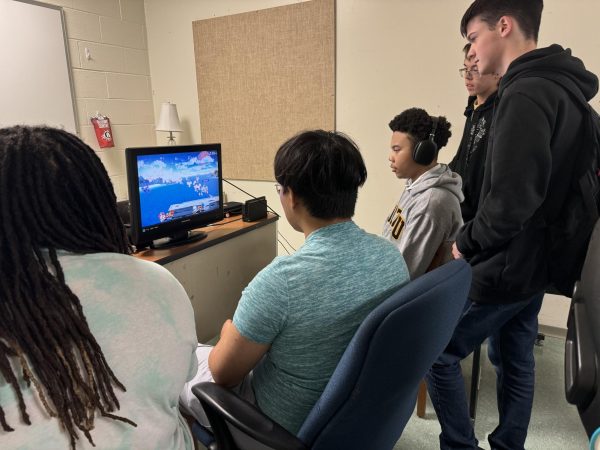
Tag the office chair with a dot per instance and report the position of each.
(582, 346)
(372, 392)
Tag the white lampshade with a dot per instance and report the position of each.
(168, 119)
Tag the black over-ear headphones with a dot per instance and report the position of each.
(425, 151)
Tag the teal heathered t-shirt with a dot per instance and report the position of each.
(308, 306)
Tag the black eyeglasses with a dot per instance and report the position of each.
(468, 73)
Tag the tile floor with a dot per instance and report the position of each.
(554, 424)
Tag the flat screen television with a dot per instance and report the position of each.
(172, 191)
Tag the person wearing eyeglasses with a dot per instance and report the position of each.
(469, 160)
(297, 316)
(538, 127)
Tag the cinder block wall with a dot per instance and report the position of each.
(109, 63)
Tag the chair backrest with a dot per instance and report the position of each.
(589, 286)
(582, 346)
(372, 393)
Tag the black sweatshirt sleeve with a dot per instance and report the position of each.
(517, 175)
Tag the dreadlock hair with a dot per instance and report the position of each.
(54, 195)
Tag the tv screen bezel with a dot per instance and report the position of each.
(166, 229)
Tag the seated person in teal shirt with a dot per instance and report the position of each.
(297, 316)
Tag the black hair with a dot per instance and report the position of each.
(54, 195)
(528, 14)
(417, 124)
(325, 169)
(466, 49)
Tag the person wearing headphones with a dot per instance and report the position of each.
(425, 221)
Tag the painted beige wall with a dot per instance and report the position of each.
(115, 80)
(173, 72)
(391, 55)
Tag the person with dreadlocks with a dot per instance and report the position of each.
(95, 345)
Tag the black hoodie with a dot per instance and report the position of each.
(470, 159)
(536, 128)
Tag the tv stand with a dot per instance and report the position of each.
(215, 270)
(181, 238)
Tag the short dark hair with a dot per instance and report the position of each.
(466, 49)
(325, 169)
(528, 13)
(417, 123)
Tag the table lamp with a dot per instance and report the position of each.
(169, 120)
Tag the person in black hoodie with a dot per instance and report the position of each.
(536, 127)
(469, 160)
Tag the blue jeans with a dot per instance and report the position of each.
(512, 329)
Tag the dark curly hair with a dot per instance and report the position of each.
(325, 169)
(54, 195)
(418, 125)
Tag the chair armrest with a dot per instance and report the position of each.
(222, 406)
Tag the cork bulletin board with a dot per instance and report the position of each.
(262, 77)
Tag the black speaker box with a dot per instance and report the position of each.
(254, 209)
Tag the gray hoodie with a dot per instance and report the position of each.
(427, 216)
